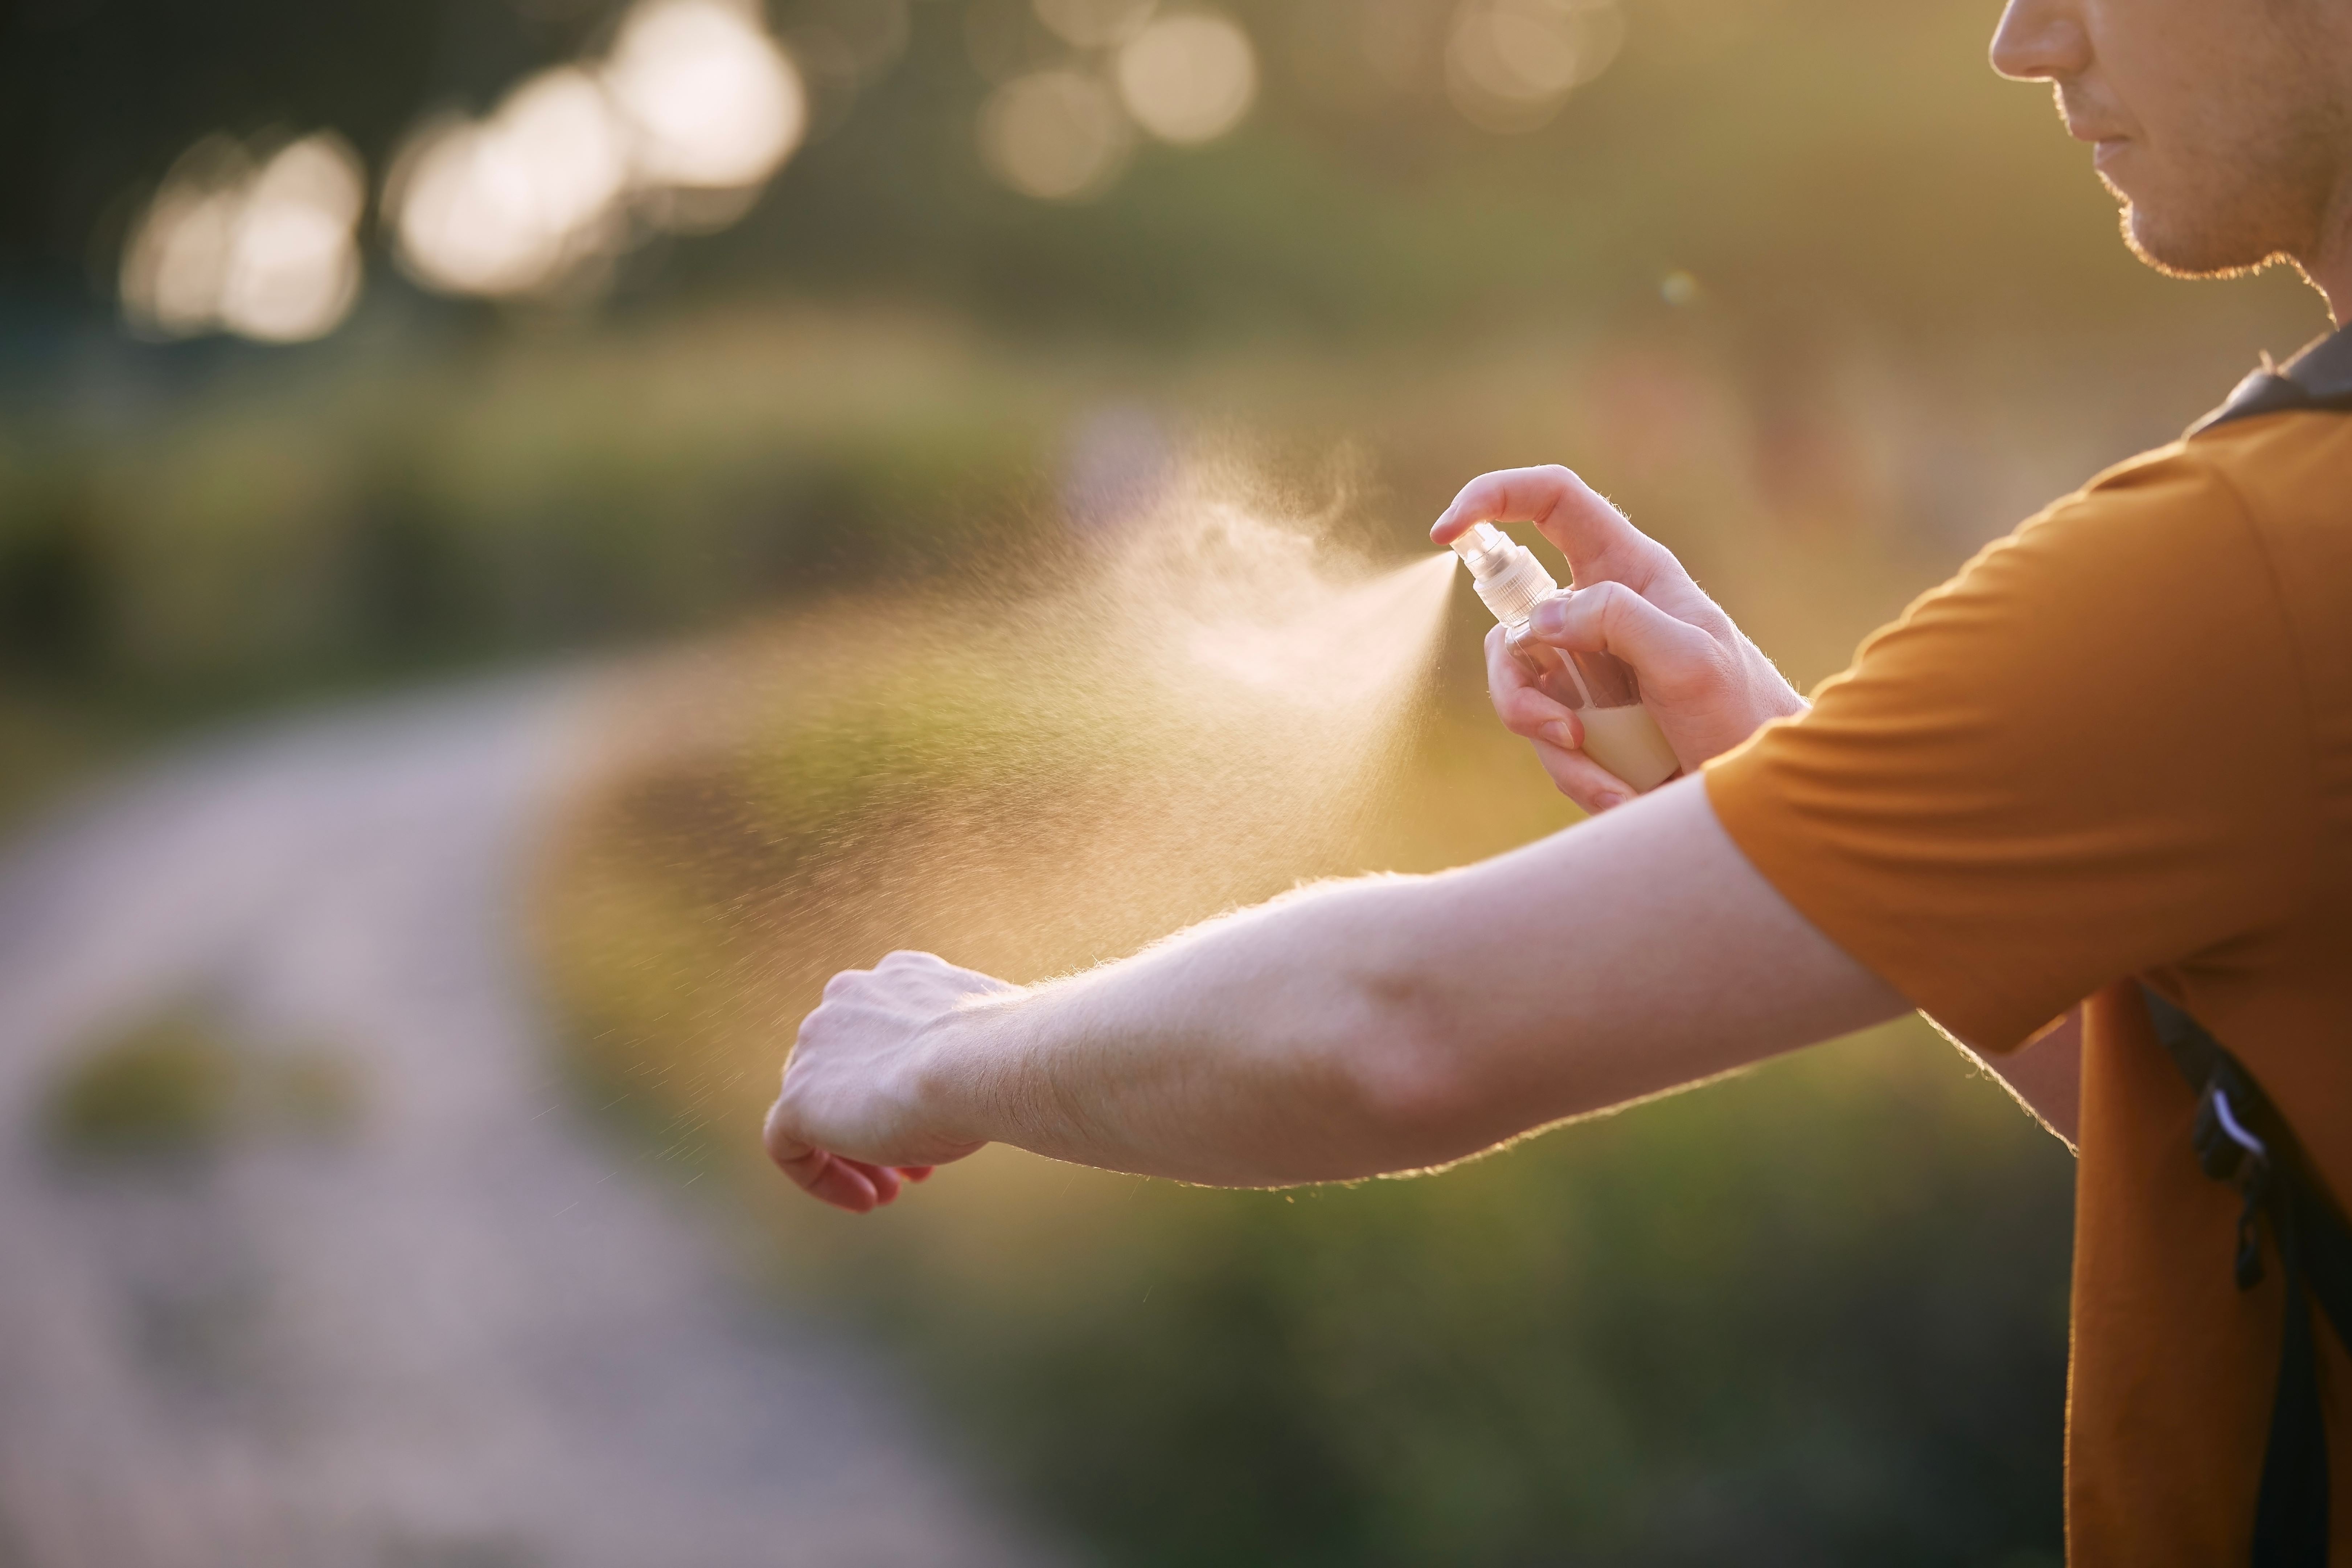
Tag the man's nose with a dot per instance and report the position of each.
(2041, 41)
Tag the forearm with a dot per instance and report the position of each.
(1393, 1024)
(1264, 1048)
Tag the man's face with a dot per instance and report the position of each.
(2222, 124)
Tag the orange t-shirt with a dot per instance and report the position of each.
(2119, 744)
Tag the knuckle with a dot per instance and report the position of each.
(1706, 668)
(782, 1131)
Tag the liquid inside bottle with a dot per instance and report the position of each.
(1603, 691)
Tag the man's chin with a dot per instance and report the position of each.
(2191, 250)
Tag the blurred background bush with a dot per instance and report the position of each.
(351, 346)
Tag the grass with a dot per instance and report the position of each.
(165, 1090)
(177, 1087)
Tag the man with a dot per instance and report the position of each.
(2117, 746)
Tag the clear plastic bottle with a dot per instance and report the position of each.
(1619, 732)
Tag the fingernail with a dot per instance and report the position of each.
(1609, 801)
(1550, 618)
(1560, 735)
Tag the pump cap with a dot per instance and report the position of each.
(1480, 538)
(1508, 577)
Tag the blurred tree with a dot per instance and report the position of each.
(52, 583)
(1809, 162)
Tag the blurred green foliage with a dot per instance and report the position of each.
(539, 498)
(877, 369)
(1816, 1316)
(1813, 163)
(165, 1090)
(177, 1087)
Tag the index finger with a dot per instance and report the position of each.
(830, 1179)
(1599, 540)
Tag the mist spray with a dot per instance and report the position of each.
(1619, 732)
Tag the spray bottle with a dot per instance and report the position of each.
(1619, 732)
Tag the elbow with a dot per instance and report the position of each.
(1412, 1092)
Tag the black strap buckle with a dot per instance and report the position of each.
(2241, 1139)
(2228, 1151)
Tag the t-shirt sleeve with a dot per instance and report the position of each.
(2085, 756)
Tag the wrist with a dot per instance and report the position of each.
(956, 1078)
(1779, 699)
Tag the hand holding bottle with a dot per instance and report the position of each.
(1705, 683)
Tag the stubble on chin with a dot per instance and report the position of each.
(2209, 250)
(2235, 216)
(2242, 200)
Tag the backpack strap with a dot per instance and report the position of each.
(2241, 1137)
(2318, 380)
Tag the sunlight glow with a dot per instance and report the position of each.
(268, 253)
(502, 206)
(1510, 64)
(1094, 23)
(1189, 77)
(1056, 135)
(694, 109)
(713, 101)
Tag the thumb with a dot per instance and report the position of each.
(785, 1146)
(1670, 655)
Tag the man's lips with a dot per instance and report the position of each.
(2108, 143)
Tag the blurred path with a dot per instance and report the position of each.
(464, 1335)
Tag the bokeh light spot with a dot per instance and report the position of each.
(501, 207)
(1094, 23)
(713, 100)
(267, 252)
(1189, 79)
(1056, 135)
(1510, 64)
(694, 109)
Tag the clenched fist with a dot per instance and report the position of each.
(871, 1096)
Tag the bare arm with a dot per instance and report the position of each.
(1397, 1022)
(1358, 1028)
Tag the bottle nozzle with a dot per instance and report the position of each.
(1509, 579)
(1479, 539)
